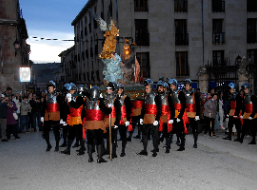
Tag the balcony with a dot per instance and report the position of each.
(141, 5)
(218, 38)
(142, 39)
(251, 37)
(218, 6)
(181, 39)
(178, 8)
(251, 5)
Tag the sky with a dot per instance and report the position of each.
(50, 19)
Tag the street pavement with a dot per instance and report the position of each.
(215, 164)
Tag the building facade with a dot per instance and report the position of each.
(14, 51)
(174, 37)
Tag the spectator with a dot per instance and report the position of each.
(25, 108)
(210, 113)
(221, 111)
(8, 92)
(36, 112)
(11, 123)
(30, 118)
(17, 100)
(3, 116)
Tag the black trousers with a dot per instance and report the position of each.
(11, 129)
(135, 120)
(148, 130)
(56, 130)
(178, 128)
(247, 125)
(167, 135)
(237, 123)
(123, 134)
(95, 136)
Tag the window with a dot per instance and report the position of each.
(218, 58)
(181, 35)
(182, 64)
(141, 29)
(218, 6)
(143, 60)
(252, 55)
(218, 36)
(251, 30)
(251, 5)
(180, 6)
(141, 5)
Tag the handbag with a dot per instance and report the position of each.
(15, 116)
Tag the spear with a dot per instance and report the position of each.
(110, 130)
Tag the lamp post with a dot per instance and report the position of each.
(238, 59)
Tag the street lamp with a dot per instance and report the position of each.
(16, 44)
(238, 59)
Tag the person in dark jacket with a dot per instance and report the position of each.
(11, 123)
(3, 116)
(36, 112)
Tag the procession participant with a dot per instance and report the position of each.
(95, 109)
(51, 115)
(192, 108)
(234, 111)
(125, 105)
(150, 117)
(113, 103)
(74, 121)
(249, 113)
(177, 102)
(165, 117)
(65, 128)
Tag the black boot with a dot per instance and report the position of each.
(195, 140)
(67, 150)
(100, 154)
(123, 153)
(168, 139)
(143, 153)
(82, 149)
(90, 157)
(227, 138)
(76, 144)
(182, 144)
(47, 142)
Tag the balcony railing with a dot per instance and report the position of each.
(252, 5)
(142, 39)
(180, 8)
(218, 6)
(251, 37)
(218, 38)
(141, 5)
(181, 38)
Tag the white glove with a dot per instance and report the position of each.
(64, 123)
(109, 105)
(115, 126)
(42, 119)
(250, 118)
(141, 121)
(68, 96)
(155, 123)
(101, 96)
(178, 120)
(127, 123)
(171, 121)
(227, 115)
(61, 121)
(241, 117)
(235, 116)
(197, 118)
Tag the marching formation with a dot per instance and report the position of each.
(87, 114)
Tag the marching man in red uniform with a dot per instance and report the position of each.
(93, 123)
(193, 108)
(177, 102)
(249, 113)
(150, 117)
(74, 107)
(51, 113)
(125, 105)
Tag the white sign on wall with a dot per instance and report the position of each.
(24, 74)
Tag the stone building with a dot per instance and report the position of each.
(13, 32)
(174, 37)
